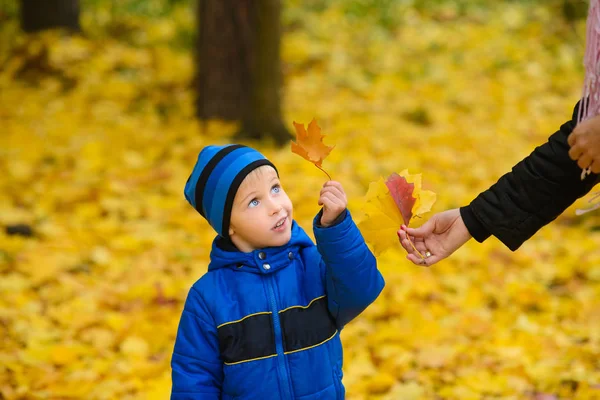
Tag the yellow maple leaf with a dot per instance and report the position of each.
(382, 219)
(382, 214)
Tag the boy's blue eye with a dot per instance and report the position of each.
(253, 203)
(276, 189)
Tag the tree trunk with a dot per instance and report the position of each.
(238, 66)
(574, 10)
(38, 15)
(263, 117)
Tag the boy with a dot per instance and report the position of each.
(264, 321)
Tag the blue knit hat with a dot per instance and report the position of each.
(215, 179)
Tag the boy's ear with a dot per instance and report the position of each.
(231, 231)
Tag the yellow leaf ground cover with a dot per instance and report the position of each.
(97, 140)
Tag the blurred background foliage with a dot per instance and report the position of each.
(118, 17)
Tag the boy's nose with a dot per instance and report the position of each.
(275, 208)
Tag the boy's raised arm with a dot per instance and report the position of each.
(351, 276)
(196, 367)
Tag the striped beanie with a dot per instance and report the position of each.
(215, 179)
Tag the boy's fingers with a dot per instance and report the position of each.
(341, 201)
(334, 184)
(327, 189)
(328, 200)
(331, 205)
(337, 185)
(596, 167)
(335, 191)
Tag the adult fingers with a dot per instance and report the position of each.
(575, 152)
(423, 231)
(403, 237)
(584, 161)
(572, 139)
(424, 262)
(596, 167)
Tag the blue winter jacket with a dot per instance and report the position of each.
(266, 324)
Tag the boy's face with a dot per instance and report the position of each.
(261, 215)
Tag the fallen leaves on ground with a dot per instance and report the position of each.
(97, 141)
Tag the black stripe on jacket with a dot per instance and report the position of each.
(250, 338)
(306, 327)
(253, 337)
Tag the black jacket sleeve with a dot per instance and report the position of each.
(537, 190)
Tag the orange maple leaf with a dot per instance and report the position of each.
(309, 145)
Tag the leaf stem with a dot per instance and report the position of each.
(323, 171)
(413, 246)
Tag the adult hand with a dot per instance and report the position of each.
(585, 144)
(441, 236)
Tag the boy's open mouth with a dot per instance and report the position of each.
(280, 223)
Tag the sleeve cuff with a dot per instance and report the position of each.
(576, 111)
(474, 226)
(335, 222)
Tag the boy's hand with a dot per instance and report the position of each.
(334, 202)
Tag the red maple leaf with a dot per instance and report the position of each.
(402, 193)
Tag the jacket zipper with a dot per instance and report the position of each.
(281, 364)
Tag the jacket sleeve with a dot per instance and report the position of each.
(197, 371)
(351, 277)
(537, 190)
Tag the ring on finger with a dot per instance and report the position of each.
(427, 254)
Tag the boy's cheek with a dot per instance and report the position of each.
(290, 206)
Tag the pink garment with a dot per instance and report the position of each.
(591, 61)
(591, 84)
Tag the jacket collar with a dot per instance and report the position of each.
(262, 261)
